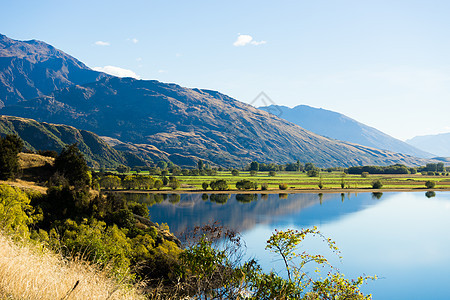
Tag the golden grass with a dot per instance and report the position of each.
(30, 160)
(29, 272)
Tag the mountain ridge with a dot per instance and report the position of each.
(30, 69)
(341, 127)
(437, 143)
(181, 123)
(47, 136)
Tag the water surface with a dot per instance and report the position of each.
(401, 237)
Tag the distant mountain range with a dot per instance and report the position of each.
(163, 121)
(438, 143)
(338, 126)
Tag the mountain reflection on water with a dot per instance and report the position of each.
(242, 212)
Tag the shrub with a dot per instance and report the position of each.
(246, 184)
(313, 173)
(430, 184)
(174, 183)
(377, 184)
(264, 186)
(205, 185)
(272, 173)
(219, 185)
(364, 174)
(253, 173)
(158, 184)
(235, 172)
(283, 186)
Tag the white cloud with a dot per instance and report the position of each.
(245, 39)
(162, 71)
(116, 71)
(102, 43)
(139, 59)
(135, 40)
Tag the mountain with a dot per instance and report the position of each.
(30, 69)
(338, 126)
(44, 136)
(193, 123)
(162, 121)
(438, 143)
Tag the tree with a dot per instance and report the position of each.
(123, 169)
(235, 172)
(430, 184)
(272, 173)
(10, 146)
(254, 166)
(72, 165)
(174, 183)
(320, 184)
(162, 165)
(309, 166)
(200, 165)
(110, 182)
(205, 185)
(253, 173)
(158, 184)
(313, 173)
(219, 185)
(245, 184)
(377, 184)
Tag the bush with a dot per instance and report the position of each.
(377, 184)
(283, 186)
(235, 172)
(264, 186)
(430, 184)
(364, 174)
(246, 184)
(158, 184)
(174, 183)
(219, 185)
(205, 185)
(313, 173)
(253, 173)
(272, 173)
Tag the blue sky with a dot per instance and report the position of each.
(383, 63)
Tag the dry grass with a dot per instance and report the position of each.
(30, 160)
(29, 272)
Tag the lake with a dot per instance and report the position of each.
(402, 238)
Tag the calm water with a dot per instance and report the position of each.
(401, 237)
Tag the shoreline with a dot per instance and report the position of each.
(278, 191)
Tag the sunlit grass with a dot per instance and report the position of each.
(29, 271)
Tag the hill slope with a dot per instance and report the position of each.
(438, 143)
(193, 123)
(160, 120)
(338, 126)
(30, 69)
(44, 136)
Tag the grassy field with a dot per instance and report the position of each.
(330, 181)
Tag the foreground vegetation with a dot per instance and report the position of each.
(30, 271)
(115, 237)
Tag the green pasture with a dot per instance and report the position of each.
(330, 180)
